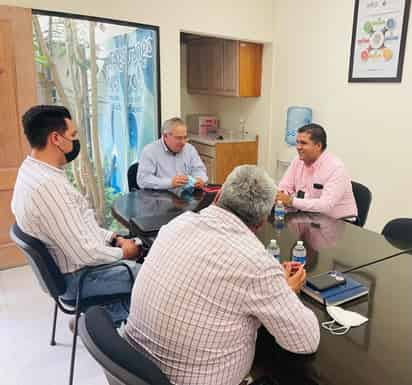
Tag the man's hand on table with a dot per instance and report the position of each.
(199, 183)
(129, 247)
(179, 180)
(286, 199)
(295, 275)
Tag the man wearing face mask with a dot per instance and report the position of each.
(48, 207)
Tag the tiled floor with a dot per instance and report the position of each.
(26, 356)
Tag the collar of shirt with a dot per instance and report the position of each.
(226, 217)
(318, 162)
(44, 164)
(167, 149)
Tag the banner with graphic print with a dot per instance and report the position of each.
(127, 102)
(378, 40)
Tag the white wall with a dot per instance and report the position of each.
(369, 125)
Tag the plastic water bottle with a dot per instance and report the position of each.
(299, 253)
(274, 249)
(279, 211)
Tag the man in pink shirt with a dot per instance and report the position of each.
(316, 180)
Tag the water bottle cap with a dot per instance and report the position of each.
(273, 243)
(299, 243)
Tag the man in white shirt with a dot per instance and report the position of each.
(48, 207)
(208, 284)
(169, 161)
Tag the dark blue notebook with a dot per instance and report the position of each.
(337, 295)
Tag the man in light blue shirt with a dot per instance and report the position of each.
(169, 161)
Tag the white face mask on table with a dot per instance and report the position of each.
(342, 320)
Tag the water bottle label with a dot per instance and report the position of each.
(279, 214)
(301, 260)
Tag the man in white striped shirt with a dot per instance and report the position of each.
(209, 284)
(48, 207)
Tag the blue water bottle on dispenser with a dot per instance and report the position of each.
(296, 118)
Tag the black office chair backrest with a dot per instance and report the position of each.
(48, 274)
(399, 229)
(363, 198)
(132, 176)
(122, 363)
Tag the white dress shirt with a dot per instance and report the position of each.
(205, 288)
(48, 207)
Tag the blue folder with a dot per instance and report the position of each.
(337, 295)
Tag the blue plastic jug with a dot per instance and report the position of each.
(296, 118)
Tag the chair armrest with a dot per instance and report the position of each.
(354, 219)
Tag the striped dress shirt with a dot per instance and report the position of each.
(158, 165)
(49, 208)
(205, 288)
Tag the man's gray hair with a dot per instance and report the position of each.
(171, 123)
(249, 193)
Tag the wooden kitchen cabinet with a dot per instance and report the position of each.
(220, 158)
(197, 77)
(224, 67)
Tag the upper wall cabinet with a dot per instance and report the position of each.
(224, 67)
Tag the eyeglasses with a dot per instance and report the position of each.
(179, 138)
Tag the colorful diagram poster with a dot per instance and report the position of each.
(378, 40)
(127, 102)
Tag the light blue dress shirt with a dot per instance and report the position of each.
(158, 165)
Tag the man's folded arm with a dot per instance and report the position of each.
(272, 301)
(64, 223)
(198, 169)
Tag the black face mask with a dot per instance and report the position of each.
(71, 155)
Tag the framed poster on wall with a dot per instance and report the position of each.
(378, 40)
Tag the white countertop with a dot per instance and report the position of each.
(211, 140)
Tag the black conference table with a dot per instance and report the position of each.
(378, 352)
(142, 212)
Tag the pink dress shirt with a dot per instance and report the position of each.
(335, 199)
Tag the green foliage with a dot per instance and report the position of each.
(41, 59)
(109, 197)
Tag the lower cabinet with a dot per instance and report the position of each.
(210, 164)
(221, 158)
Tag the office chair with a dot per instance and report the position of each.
(399, 229)
(363, 198)
(131, 177)
(122, 363)
(52, 282)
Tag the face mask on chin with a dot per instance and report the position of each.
(71, 155)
